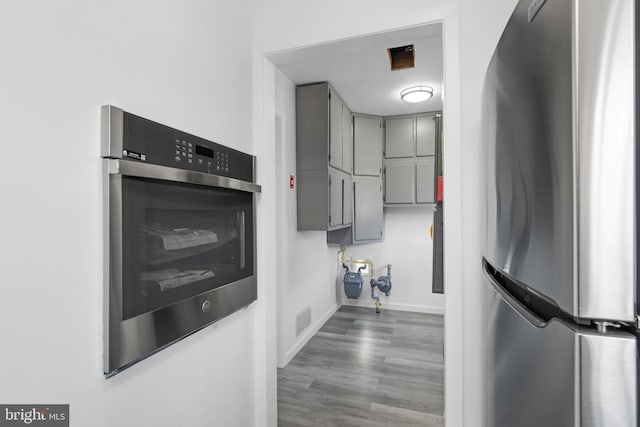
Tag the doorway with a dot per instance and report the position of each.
(305, 302)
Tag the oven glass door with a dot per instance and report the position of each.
(180, 240)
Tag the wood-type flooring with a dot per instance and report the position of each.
(367, 369)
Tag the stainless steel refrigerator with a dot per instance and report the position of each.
(560, 257)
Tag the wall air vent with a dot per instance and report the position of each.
(401, 57)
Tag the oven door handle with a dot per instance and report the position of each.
(165, 173)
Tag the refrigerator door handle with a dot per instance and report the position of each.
(518, 307)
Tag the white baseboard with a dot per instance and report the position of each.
(367, 302)
(306, 336)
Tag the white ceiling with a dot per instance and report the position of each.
(359, 69)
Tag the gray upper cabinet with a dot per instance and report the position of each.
(368, 221)
(410, 164)
(312, 127)
(367, 145)
(399, 137)
(340, 199)
(347, 139)
(347, 199)
(399, 183)
(426, 135)
(336, 193)
(425, 180)
(335, 126)
(313, 196)
(324, 151)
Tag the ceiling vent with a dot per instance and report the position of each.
(401, 57)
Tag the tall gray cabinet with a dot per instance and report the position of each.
(324, 158)
(368, 223)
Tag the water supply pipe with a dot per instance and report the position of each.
(378, 304)
(344, 260)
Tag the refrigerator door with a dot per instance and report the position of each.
(527, 122)
(558, 121)
(605, 157)
(554, 374)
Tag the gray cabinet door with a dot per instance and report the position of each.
(347, 139)
(335, 198)
(312, 127)
(399, 137)
(347, 200)
(312, 197)
(367, 146)
(425, 178)
(335, 131)
(368, 211)
(399, 183)
(425, 135)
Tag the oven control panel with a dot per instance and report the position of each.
(151, 142)
(216, 161)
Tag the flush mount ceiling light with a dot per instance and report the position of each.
(416, 94)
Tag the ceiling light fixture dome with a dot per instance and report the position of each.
(416, 94)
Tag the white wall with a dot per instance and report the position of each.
(481, 25)
(307, 267)
(408, 247)
(60, 61)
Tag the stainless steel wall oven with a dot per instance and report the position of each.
(179, 235)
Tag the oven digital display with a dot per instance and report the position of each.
(204, 151)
